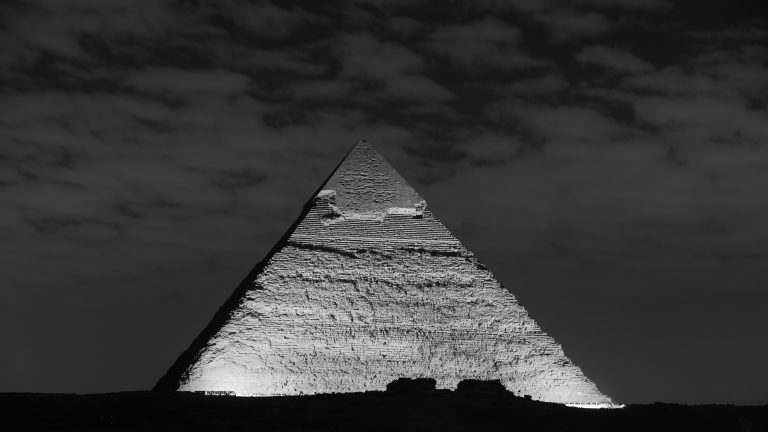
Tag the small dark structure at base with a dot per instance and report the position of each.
(483, 387)
(411, 385)
(423, 385)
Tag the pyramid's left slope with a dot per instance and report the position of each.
(178, 372)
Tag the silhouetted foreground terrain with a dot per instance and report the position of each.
(380, 411)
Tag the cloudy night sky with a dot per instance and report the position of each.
(606, 159)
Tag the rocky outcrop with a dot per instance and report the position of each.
(412, 385)
(369, 287)
(481, 387)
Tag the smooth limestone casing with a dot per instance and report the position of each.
(371, 287)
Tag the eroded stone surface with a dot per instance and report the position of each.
(371, 287)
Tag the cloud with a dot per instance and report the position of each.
(732, 73)
(262, 18)
(570, 25)
(545, 124)
(184, 81)
(538, 6)
(487, 43)
(320, 89)
(418, 88)
(573, 123)
(525, 6)
(544, 85)
(238, 179)
(387, 5)
(287, 60)
(81, 34)
(745, 33)
(396, 69)
(742, 69)
(571, 21)
(613, 59)
(651, 5)
(673, 81)
(50, 27)
(701, 120)
(363, 56)
(492, 149)
(405, 26)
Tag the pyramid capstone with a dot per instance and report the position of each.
(368, 287)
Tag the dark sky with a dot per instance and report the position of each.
(607, 160)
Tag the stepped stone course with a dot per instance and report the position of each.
(369, 287)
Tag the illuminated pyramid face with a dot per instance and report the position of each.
(366, 288)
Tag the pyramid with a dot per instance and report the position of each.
(367, 287)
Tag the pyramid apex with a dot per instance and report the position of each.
(363, 145)
(365, 183)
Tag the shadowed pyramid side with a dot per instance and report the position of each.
(369, 287)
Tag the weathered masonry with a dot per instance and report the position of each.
(368, 287)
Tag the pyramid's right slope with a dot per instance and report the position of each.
(369, 287)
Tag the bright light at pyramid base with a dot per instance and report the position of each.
(240, 394)
(597, 405)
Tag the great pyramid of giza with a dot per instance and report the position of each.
(365, 288)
